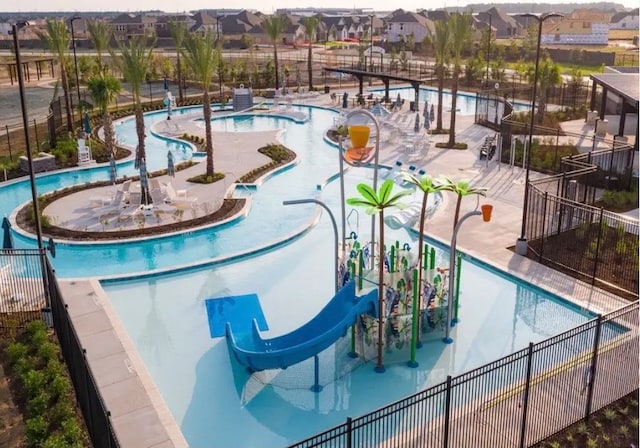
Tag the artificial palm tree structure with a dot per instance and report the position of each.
(56, 38)
(202, 55)
(311, 25)
(134, 62)
(103, 88)
(441, 45)
(459, 37)
(100, 33)
(376, 203)
(427, 185)
(274, 26)
(178, 32)
(461, 188)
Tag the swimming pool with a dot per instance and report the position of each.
(465, 103)
(219, 406)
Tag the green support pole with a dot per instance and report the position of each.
(353, 353)
(360, 268)
(432, 258)
(425, 257)
(392, 262)
(457, 303)
(414, 321)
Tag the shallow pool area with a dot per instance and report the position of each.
(277, 264)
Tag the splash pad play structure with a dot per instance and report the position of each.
(390, 301)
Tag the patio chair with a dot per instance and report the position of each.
(107, 200)
(113, 207)
(135, 202)
(158, 200)
(178, 196)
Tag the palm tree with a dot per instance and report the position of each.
(274, 26)
(461, 188)
(201, 56)
(178, 32)
(311, 25)
(441, 44)
(134, 62)
(56, 38)
(100, 35)
(460, 34)
(376, 203)
(427, 185)
(548, 76)
(103, 88)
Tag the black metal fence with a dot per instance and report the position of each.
(25, 292)
(516, 401)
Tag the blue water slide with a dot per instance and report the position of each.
(331, 323)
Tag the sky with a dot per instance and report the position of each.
(266, 6)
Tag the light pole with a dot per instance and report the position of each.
(25, 124)
(371, 46)
(521, 243)
(75, 59)
(488, 49)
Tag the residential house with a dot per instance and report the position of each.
(401, 25)
(505, 26)
(625, 20)
(205, 22)
(162, 24)
(126, 26)
(436, 15)
(234, 26)
(581, 27)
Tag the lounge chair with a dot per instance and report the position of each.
(179, 196)
(135, 202)
(158, 201)
(116, 204)
(107, 200)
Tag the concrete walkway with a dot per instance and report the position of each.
(143, 421)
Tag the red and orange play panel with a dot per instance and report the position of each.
(358, 155)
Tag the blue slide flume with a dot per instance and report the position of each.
(331, 323)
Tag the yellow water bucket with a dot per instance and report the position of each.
(359, 135)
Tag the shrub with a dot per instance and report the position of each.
(35, 430)
(39, 404)
(46, 352)
(15, 351)
(204, 179)
(60, 412)
(56, 440)
(71, 431)
(59, 386)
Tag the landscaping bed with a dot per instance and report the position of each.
(40, 410)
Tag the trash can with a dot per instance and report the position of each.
(326, 89)
(412, 105)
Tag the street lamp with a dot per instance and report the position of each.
(371, 46)
(521, 243)
(75, 58)
(488, 49)
(25, 124)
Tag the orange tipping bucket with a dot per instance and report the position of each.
(359, 135)
(486, 212)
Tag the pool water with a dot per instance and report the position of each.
(217, 404)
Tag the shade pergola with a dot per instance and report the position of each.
(623, 85)
(384, 77)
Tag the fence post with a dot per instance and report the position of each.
(35, 130)
(447, 413)
(349, 428)
(595, 261)
(6, 128)
(525, 401)
(591, 373)
(544, 221)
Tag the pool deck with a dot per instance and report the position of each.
(140, 416)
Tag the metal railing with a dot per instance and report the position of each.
(22, 300)
(516, 401)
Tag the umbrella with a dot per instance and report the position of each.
(398, 101)
(425, 112)
(113, 170)
(144, 182)
(416, 127)
(87, 124)
(432, 114)
(171, 169)
(427, 123)
(166, 84)
(7, 241)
